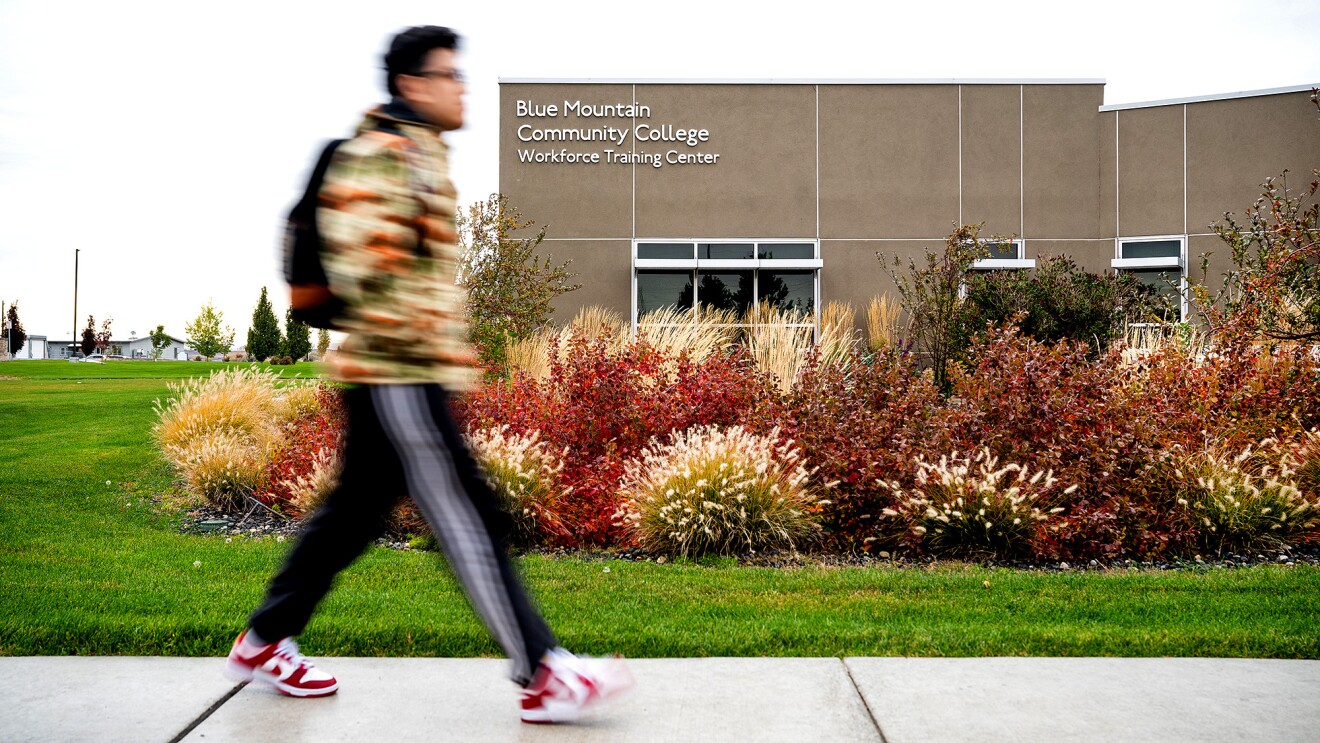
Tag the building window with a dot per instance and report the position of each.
(1160, 263)
(727, 275)
(1005, 255)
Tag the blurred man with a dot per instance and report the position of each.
(386, 220)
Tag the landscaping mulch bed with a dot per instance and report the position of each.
(256, 520)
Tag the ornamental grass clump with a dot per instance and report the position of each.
(725, 491)
(307, 492)
(970, 505)
(219, 432)
(524, 472)
(242, 401)
(222, 466)
(675, 332)
(1307, 454)
(1246, 501)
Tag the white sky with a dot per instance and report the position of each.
(167, 139)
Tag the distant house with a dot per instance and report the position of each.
(133, 348)
(33, 348)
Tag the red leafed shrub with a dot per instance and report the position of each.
(303, 438)
(1049, 407)
(1235, 396)
(862, 422)
(606, 406)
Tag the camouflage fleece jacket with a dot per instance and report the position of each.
(385, 189)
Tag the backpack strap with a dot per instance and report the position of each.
(302, 266)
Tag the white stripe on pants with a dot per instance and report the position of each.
(433, 482)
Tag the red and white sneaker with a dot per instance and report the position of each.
(566, 686)
(280, 665)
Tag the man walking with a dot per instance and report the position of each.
(386, 217)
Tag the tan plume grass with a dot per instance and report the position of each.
(838, 334)
(297, 400)
(308, 492)
(1245, 500)
(882, 318)
(596, 322)
(222, 466)
(524, 473)
(674, 332)
(220, 431)
(969, 504)
(778, 340)
(723, 491)
(242, 401)
(531, 354)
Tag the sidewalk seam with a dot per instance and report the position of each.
(209, 711)
(870, 713)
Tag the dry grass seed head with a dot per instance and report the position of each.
(723, 491)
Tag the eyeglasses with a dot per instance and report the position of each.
(455, 75)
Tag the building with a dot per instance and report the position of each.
(39, 347)
(718, 192)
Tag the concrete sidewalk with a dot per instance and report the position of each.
(897, 700)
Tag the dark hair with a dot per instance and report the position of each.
(409, 48)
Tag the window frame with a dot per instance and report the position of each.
(754, 264)
(1021, 263)
(1119, 263)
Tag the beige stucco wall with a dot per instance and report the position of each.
(991, 157)
(892, 167)
(888, 160)
(602, 267)
(573, 200)
(1234, 145)
(763, 185)
(1150, 171)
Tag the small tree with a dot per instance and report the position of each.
(160, 340)
(1273, 289)
(14, 333)
(206, 334)
(263, 338)
(932, 297)
(297, 337)
(89, 336)
(510, 290)
(322, 342)
(103, 336)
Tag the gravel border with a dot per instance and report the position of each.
(259, 521)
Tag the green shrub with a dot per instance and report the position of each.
(1058, 300)
(969, 505)
(722, 491)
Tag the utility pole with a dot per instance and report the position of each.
(4, 324)
(74, 343)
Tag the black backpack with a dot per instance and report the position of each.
(313, 304)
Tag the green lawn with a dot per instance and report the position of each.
(85, 568)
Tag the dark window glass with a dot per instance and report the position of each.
(725, 251)
(1003, 251)
(786, 250)
(725, 290)
(1152, 249)
(789, 290)
(1158, 280)
(659, 289)
(664, 250)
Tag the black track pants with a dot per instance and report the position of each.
(401, 438)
